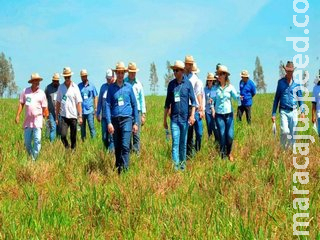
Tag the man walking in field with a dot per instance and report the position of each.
(36, 108)
(141, 104)
(89, 104)
(101, 112)
(68, 106)
(247, 92)
(51, 94)
(179, 93)
(287, 93)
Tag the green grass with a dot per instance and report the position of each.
(65, 195)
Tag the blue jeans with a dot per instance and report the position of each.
(121, 137)
(53, 128)
(226, 133)
(90, 119)
(107, 138)
(35, 135)
(198, 128)
(319, 126)
(288, 120)
(179, 133)
(135, 143)
(212, 126)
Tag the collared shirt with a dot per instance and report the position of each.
(247, 90)
(210, 93)
(222, 100)
(138, 93)
(316, 95)
(34, 102)
(69, 98)
(121, 102)
(178, 97)
(88, 93)
(51, 94)
(196, 85)
(287, 95)
(102, 100)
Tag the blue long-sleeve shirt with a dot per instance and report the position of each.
(121, 102)
(247, 90)
(178, 96)
(102, 100)
(287, 95)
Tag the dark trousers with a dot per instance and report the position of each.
(121, 137)
(246, 109)
(64, 125)
(198, 128)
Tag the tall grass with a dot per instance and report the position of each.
(78, 195)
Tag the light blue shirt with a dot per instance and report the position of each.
(222, 99)
(88, 94)
(138, 93)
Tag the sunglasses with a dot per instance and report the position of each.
(221, 73)
(118, 72)
(176, 70)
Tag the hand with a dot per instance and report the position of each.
(191, 120)
(110, 128)
(241, 98)
(165, 124)
(99, 118)
(201, 113)
(273, 119)
(17, 119)
(80, 120)
(143, 119)
(302, 115)
(57, 121)
(313, 119)
(213, 114)
(135, 128)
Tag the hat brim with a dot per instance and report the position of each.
(34, 79)
(223, 72)
(175, 67)
(55, 79)
(246, 76)
(289, 69)
(136, 70)
(116, 70)
(82, 75)
(188, 62)
(67, 75)
(210, 79)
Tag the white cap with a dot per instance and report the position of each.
(109, 73)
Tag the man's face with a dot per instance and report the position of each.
(120, 75)
(132, 75)
(188, 67)
(35, 83)
(178, 73)
(289, 74)
(67, 80)
(84, 78)
(110, 80)
(245, 79)
(55, 83)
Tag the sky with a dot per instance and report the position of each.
(46, 36)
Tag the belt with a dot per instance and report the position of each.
(120, 118)
(286, 108)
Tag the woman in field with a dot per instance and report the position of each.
(210, 92)
(224, 111)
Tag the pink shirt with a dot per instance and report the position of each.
(33, 102)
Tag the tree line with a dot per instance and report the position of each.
(9, 88)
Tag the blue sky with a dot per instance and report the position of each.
(45, 36)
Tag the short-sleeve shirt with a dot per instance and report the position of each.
(88, 93)
(51, 94)
(316, 95)
(34, 102)
(68, 99)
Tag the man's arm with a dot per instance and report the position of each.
(20, 107)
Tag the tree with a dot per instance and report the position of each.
(153, 79)
(168, 76)
(7, 82)
(282, 72)
(258, 77)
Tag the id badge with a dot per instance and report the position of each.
(120, 101)
(177, 97)
(28, 101)
(54, 97)
(85, 96)
(64, 98)
(318, 114)
(105, 94)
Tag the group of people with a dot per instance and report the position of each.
(120, 107)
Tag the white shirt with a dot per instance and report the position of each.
(316, 94)
(69, 98)
(196, 84)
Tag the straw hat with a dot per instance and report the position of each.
(223, 68)
(289, 67)
(244, 73)
(35, 76)
(195, 68)
(210, 77)
(83, 72)
(178, 65)
(109, 73)
(56, 77)
(67, 72)
(132, 67)
(189, 59)
(120, 67)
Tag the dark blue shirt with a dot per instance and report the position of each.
(51, 94)
(287, 96)
(180, 105)
(88, 93)
(102, 100)
(121, 102)
(247, 90)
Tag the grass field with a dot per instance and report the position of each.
(65, 195)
